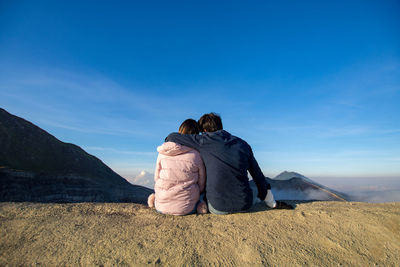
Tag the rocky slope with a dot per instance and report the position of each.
(36, 166)
(113, 234)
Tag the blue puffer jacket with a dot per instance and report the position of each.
(227, 159)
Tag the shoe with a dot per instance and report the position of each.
(283, 206)
(202, 208)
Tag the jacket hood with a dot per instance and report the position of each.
(220, 135)
(172, 149)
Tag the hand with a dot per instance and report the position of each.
(269, 199)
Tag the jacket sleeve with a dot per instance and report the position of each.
(190, 140)
(258, 177)
(202, 176)
(158, 168)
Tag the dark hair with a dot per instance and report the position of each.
(189, 126)
(210, 122)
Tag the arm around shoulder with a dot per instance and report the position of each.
(190, 140)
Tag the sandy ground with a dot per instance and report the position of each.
(93, 234)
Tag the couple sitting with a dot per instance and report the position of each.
(180, 177)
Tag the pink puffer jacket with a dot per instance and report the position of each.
(179, 178)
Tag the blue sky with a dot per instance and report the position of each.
(313, 86)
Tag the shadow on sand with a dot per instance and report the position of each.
(292, 205)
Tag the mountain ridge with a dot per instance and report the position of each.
(286, 175)
(31, 156)
(295, 186)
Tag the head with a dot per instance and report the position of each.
(189, 126)
(210, 122)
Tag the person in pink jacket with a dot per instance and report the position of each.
(180, 177)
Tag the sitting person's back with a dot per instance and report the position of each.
(179, 179)
(179, 176)
(227, 159)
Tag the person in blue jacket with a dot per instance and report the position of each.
(227, 159)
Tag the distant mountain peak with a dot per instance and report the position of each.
(294, 186)
(286, 175)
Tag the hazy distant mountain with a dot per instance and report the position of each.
(35, 166)
(294, 186)
(285, 175)
(144, 178)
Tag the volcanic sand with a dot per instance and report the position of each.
(120, 234)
